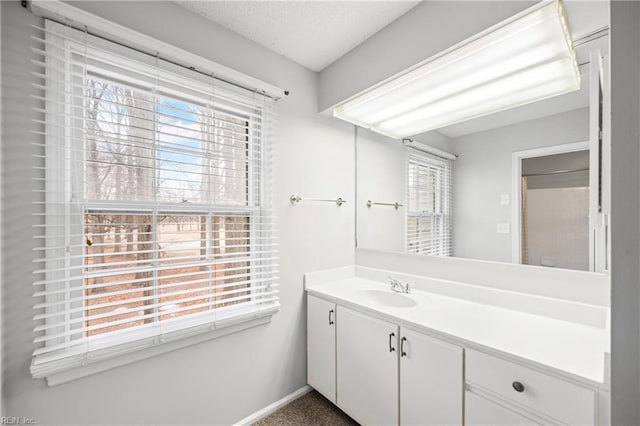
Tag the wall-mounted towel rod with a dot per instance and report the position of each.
(295, 199)
(371, 203)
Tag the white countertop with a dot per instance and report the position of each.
(570, 348)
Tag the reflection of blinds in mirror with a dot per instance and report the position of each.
(429, 204)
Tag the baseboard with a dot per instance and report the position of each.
(264, 412)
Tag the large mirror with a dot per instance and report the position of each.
(515, 186)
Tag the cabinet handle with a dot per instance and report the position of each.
(391, 336)
(519, 387)
(402, 352)
(330, 315)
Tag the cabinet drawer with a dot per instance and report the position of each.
(482, 412)
(548, 395)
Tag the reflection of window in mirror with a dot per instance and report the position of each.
(555, 210)
(429, 211)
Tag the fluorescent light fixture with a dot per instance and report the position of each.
(526, 58)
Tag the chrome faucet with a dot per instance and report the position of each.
(398, 287)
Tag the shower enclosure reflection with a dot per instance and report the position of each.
(554, 209)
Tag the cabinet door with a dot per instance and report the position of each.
(431, 382)
(482, 412)
(367, 366)
(321, 346)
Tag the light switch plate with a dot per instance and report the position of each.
(502, 228)
(504, 199)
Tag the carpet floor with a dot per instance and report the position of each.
(309, 409)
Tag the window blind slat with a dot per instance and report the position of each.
(144, 317)
(201, 97)
(142, 142)
(131, 289)
(57, 40)
(268, 268)
(213, 299)
(57, 357)
(196, 114)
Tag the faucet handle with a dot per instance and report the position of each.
(395, 284)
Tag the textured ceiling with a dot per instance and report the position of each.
(311, 33)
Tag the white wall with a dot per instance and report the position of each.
(625, 213)
(482, 173)
(222, 380)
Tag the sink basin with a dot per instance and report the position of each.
(387, 298)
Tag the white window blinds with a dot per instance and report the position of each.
(429, 201)
(153, 213)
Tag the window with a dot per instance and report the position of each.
(429, 213)
(155, 218)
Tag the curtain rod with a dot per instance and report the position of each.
(593, 35)
(73, 17)
(559, 172)
(428, 149)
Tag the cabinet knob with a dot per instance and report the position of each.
(330, 317)
(391, 336)
(519, 387)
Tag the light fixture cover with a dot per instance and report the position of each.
(526, 58)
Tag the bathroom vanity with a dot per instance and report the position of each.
(433, 357)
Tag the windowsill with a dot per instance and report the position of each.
(135, 352)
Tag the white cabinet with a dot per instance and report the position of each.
(530, 392)
(384, 374)
(367, 368)
(481, 412)
(381, 373)
(431, 380)
(321, 346)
